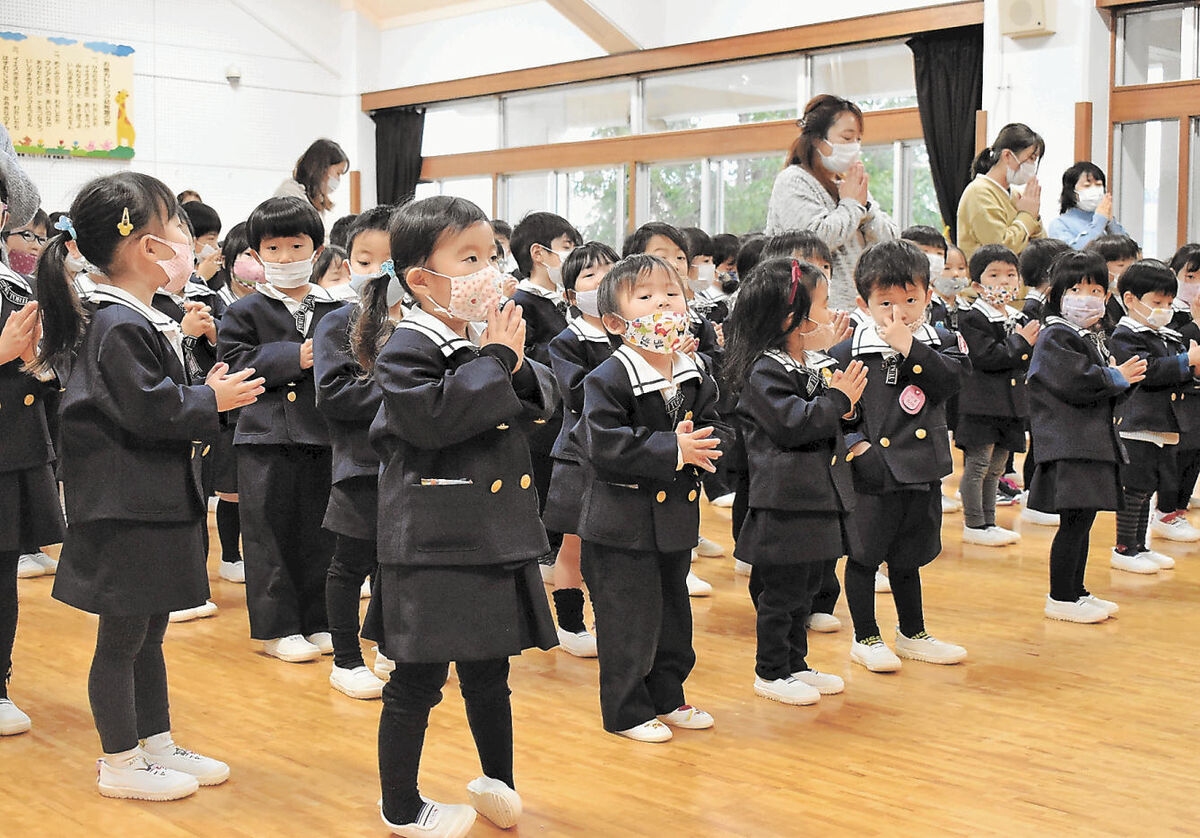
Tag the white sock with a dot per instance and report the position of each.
(159, 743)
(122, 759)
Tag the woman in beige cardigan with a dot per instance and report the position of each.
(987, 212)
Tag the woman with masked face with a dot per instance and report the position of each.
(990, 211)
(824, 189)
(317, 175)
(1086, 206)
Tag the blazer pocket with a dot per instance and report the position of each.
(256, 420)
(869, 468)
(440, 517)
(610, 511)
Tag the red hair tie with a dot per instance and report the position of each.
(796, 274)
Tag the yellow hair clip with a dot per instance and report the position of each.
(125, 227)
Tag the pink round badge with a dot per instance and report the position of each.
(912, 399)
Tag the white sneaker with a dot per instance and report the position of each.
(208, 609)
(1132, 563)
(365, 591)
(384, 666)
(234, 572)
(874, 655)
(1080, 611)
(547, 571)
(724, 501)
(206, 770)
(697, 586)
(323, 640)
(12, 719)
(992, 536)
(924, 647)
(495, 801)
(950, 505)
(824, 623)
(1014, 478)
(788, 690)
(1164, 562)
(651, 731)
(1173, 527)
(580, 644)
(883, 585)
(292, 649)
(141, 779)
(1106, 605)
(358, 682)
(709, 549)
(49, 563)
(1041, 519)
(741, 568)
(822, 682)
(29, 567)
(688, 718)
(435, 820)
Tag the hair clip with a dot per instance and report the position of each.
(389, 268)
(796, 274)
(64, 224)
(125, 226)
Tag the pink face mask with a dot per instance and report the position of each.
(474, 296)
(178, 268)
(248, 269)
(22, 263)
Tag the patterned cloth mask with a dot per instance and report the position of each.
(662, 331)
(474, 296)
(998, 296)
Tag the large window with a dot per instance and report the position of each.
(1146, 178)
(466, 125)
(475, 189)
(593, 199)
(873, 77)
(568, 114)
(730, 94)
(1157, 45)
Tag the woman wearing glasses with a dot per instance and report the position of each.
(988, 213)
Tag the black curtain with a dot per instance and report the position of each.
(398, 133)
(949, 70)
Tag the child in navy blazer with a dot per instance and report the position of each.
(1073, 392)
(282, 441)
(133, 423)
(647, 431)
(791, 414)
(900, 451)
(459, 534)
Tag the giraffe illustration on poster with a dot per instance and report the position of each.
(125, 132)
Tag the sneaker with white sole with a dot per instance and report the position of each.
(1080, 611)
(1164, 562)
(924, 647)
(28, 567)
(1132, 563)
(688, 718)
(824, 623)
(323, 640)
(651, 731)
(365, 591)
(358, 682)
(992, 536)
(950, 505)
(581, 644)
(822, 682)
(874, 654)
(164, 752)
(48, 562)
(1106, 605)
(724, 501)
(200, 612)
(496, 801)
(883, 585)
(788, 690)
(709, 549)
(435, 820)
(141, 779)
(384, 666)
(291, 649)
(1038, 518)
(234, 572)
(697, 586)
(1173, 526)
(741, 568)
(12, 719)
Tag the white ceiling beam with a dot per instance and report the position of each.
(596, 25)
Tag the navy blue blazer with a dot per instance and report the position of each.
(575, 352)
(1034, 307)
(999, 361)
(346, 397)
(25, 441)
(543, 322)
(1159, 401)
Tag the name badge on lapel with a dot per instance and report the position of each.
(912, 399)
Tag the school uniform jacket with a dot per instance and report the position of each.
(199, 354)
(133, 423)
(574, 353)
(942, 312)
(25, 441)
(903, 409)
(791, 422)
(1158, 403)
(999, 361)
(1072, 396)
(346, 398)
(638, 498)
(456, 486)
(259, 331)
(545, 315)
(1034, 307)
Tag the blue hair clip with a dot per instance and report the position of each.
(389, 268)
(64, 224)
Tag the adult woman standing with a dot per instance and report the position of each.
(987, 212)
(317, 175)
(824, 189)
(1086, 206)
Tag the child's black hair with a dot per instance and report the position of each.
(1186, 258)
(637, 241)
(1114, 248)
(279, 217)
(725, 247)
(97, 214)
(890, 264)
(923, 235)
(796, 244)
(1147, 276)
(1014, 137)
(1071, 176)
(699, 243)
(760, 321)
(330, 256)
(749, 254)
(377, 218)
(416, 228)
(1069, 270)
(40, 219)
(1036, 259)
(500, 227)
(623, 276)
(988, 254)
(537, 228)
(586, 256)
(202, 218)
(338, 232)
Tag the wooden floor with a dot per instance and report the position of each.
(1048, 729)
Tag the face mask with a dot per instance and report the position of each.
(1082, 311)
(248, 269)
(344, 292)
(706, 275)
(22, 263)
(395, 291)
(1021, 175)
(819, 337)
(949, 286)
(76, 264)
(915, 326)
(1156, 318)
(556, 272)
(842, 157)
(289, 275)
(997, 296)
(662, 331)
(178, 268)
(332, 184)
(472, 297)
(205, 252)
(729, 282)
(588, 302)
(1088, 198)
(937, 265)
(1188, 291)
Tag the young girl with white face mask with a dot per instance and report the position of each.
(1086, 207)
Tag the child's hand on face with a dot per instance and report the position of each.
(506, 326)
(306, 354)
(896, 334)
(698, 447)
(1030, 331)
(850, 381)
(842, 327)
(1133, 370)
(233, 391)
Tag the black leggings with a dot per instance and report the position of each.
(353, 560)
(1133, 520)
(416, 688)
(8, 615)
(1068, 554)
(906, 591)
(127, 686)
(229, 530)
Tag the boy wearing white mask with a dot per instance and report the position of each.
(206, 230)
(282, 441)
(1086, 206)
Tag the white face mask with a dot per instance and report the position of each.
(937, 266)
(588, 302)
(344, 292)
(842, 156)
(1088, 198)
(1155, 318)
(290, 275)
(205, 252)
(332, 184)
(395, 291)
(1021, 175)
(706, 275)
(556, 272)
